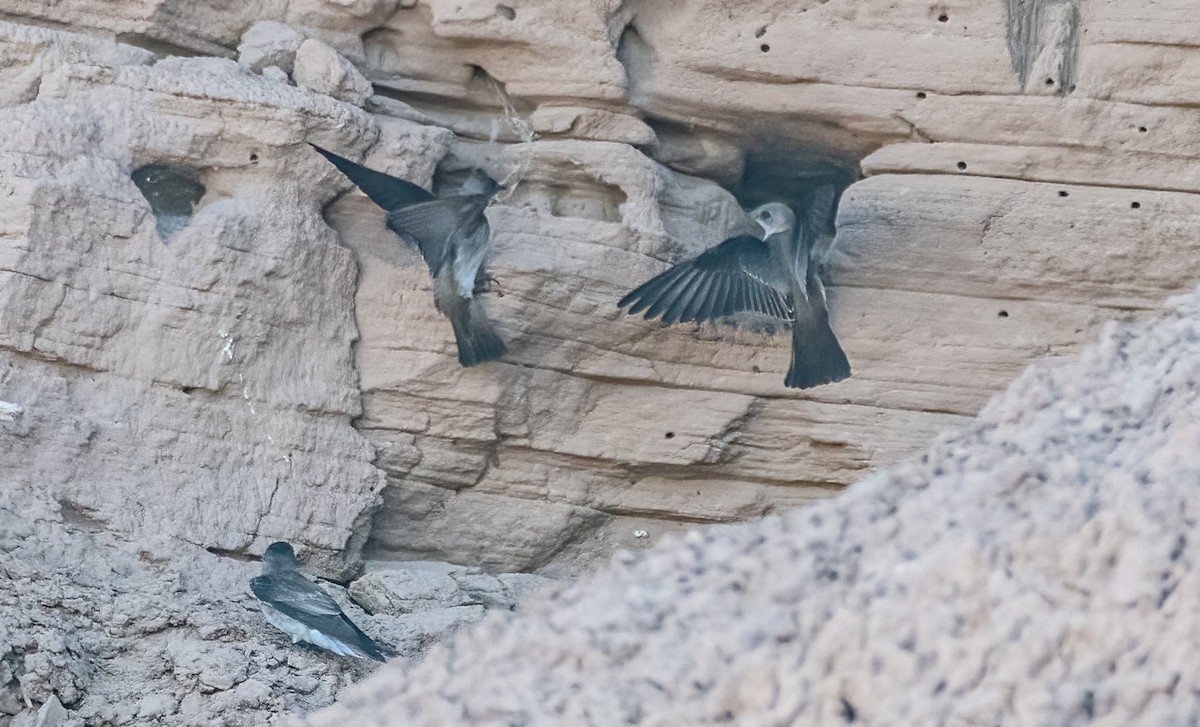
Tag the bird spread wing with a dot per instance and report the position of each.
(433, 226)
(299, 598)
(728, 279)
(383, 189)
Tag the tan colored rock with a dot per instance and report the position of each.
(926, 311)
(586, 123)
(276, 368)
(1032, 568)
(268, 43)
(928, 258)
(200, 388)
(320, 68)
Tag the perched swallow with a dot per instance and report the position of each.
(453, 236)
(775, 277)
(299, 608)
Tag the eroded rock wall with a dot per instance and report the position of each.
(1026, 178)
(1035, 567)
(269, 365)
(1026, 181)
(202, 384)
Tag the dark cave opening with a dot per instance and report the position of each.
(773, 172)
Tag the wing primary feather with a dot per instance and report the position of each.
(645, 294)
(712, 299)
(660, 298)
(683, 297)
(669, 294)
(763, 295)
(723, 304)
(780, 306)
(739, 294)
(754, 292)
(638, 294)
(753, 295)
(691, 313)
(695, 296)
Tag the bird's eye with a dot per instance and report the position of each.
(766, 216)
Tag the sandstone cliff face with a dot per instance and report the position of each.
(1035, 567)
(1025, 180)
(270, 365)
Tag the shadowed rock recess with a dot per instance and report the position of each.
(209, 341)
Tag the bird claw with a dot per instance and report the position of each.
(485, 285)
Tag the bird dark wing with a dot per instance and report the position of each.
(294, 595)
(384, 190)
(299, 598)
(816, 224)
(434, 224)
(727, 279)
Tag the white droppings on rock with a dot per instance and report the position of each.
(10, 412)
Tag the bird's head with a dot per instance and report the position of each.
(279, 555)
(775, 217)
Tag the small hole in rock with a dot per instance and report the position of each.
(943, 18)
(920, 94)
(962, 166)
(756, 369)
(187, 389)
(669, 435)
(1002, 314)
(764, 48)
(1049, 81)
(506, 12)
(1142, 129)
(760, 32)
(1136, 205)
(1063, 193)
(254, 159)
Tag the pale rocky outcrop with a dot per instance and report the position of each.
(1035, 568)
(205, 386)
(997, 226)
(96, 629)
(276, 369)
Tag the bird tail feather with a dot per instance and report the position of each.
(817, 357)
(476, 337)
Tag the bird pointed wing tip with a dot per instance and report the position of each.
(633, 303)
(323, 151)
